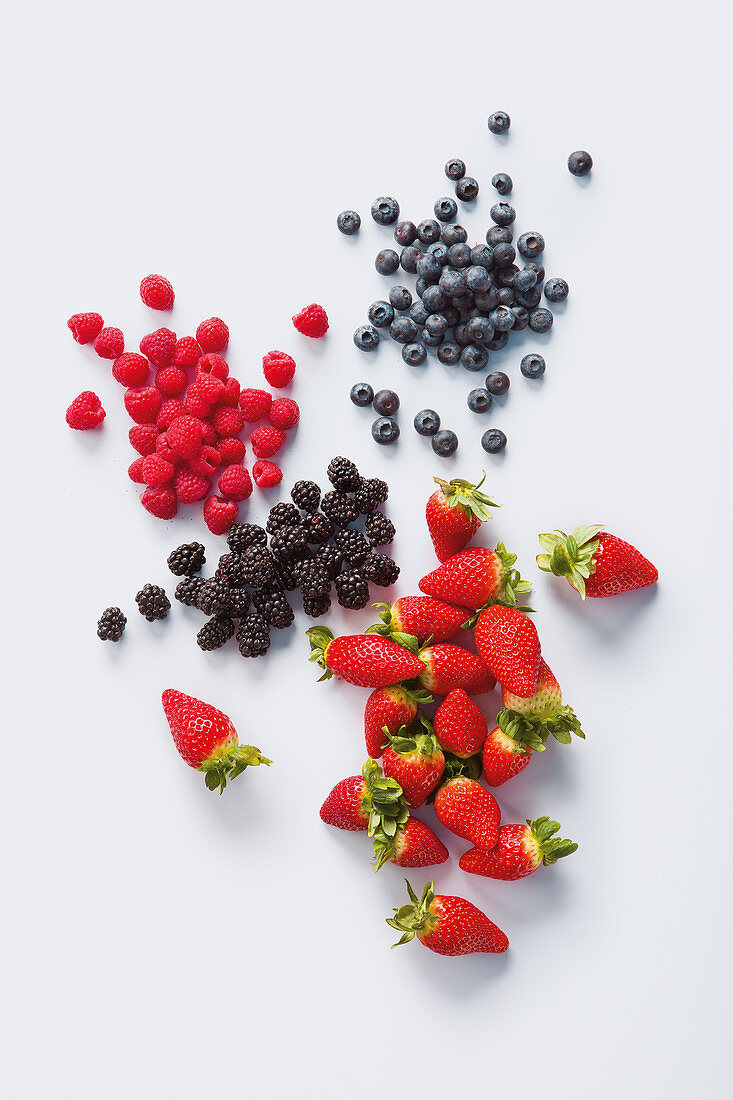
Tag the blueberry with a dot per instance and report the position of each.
(386, 402)
(449, 353)
(420, 287)
(504, 276)
(455, 169)
(487, 299)
(387, 261)
(366, 338)
(418, 313)
(502, 182)
(530, 299)
(429, 268)
(439, 249)
(445, 443)
(532, 366)
(400, 298)
(497, 383)
(434, 299)
(467, 189)
(445, 210)
(500, 341)
(348, 222)
(525, 279)
(452, 316)
(460, 334)
(403, 330)
(385, 210)
(474, 357)
(436, 324)
(452, 282)
(429, 340)
(459, 255)
(477, 278)
(482, 255)
(538, 270)
(504, 255)
(499, 234)
(463, 303)
(521, 318)
(499, 122)
(556, 290)
(506, 296)
(428, 231)
(381, 314)
(409, 258)
(362, 394)
(502, 213)
(502, 318)
(405, 233)
(480, 329)
(540, 320)
(453, 234)
(414, 354)
(385, 430)
(580, 163)
(493, 441)
(531, 245)
(426, 422)
(479, 401)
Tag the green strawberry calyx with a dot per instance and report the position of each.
(528, 738)
(407, 741)
(467, 497)
(229, 761)
(469, 766)
(533, 730)
(383, 803)
(320, 638)
(415, 917)
(571, 556)
(550, 847)
(511, 583)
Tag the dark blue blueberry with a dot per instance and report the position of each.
(455, 169)
(499, 122)
(366, 338)
(445, 209)
(452, 316)
(502, 213)
(436, 324)
(409, 257)
(500, 341)
(540, 320)
(474, 357)
(482, 255)
(467, 189)
(479, 401)
(530, 299)
(385, 430)
(426, 422)
(477, 278)
(497, 383)
(429, 268)
(449, 353)
(414, 354)
(452, 283)
(463, 303)
(428, 231)
(504, 255)
(405, 233)
(521, 318)
(385, 210)
(493, 441)
(502, 182)
(506, 296)
(439, 249)
(387, 261)
(538, 270)
(381, 314)
(460, 334)
(429, 340)
(445, 443)
(531, 245)
(525, 279)
(499, 234)
(480, 329)
(362, 394)
(487, 300)
(504, 276)
(453, 234)
(532, 366)
(556, 290)
(348, 222)
(418, 313)
(502, 318)
(386, 402)
(403, 330)
(434, 299)
(420, 287)
(459, 255)
(400, 298)
(580, 162)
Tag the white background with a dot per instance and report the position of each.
(161, 941)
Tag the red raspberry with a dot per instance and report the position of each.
(210, 387)
(235, 483)
(284, 413)
(157, 292)
(130, 369)
(159, 346)
(85, 326)
(230, 394)
(143, 438)
(143, 404)
(195, 401)
(232, 450)
(164, 450)
(135, 471)
(213, 364)
(110, 343)
(85, 412)
(184, 436)
(266, 474)
(213, 334)
(267, 441)
(170, 380)
(206, 461)
(254, 404)
(312, 321)
(160, 501)
(219, 514)
(228, 421)
(190, 487)
(209, 433)
(170, 410)
(187, 352)
(156, 471)
(278, 368)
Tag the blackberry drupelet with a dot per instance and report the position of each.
(315, 606)
(289, 543)
(272, 604)
(379, 528)
(339, 508)
(239, 602)
(319, 528)
(331, 558)
(187, 559)
(353, 545)
(187, 590)
(111, 625)
(283, 514)
(285, 576)
(243, 535)
(215, 632)
(313, 579)
(352, 590)
(306, 495)
(230, 570)
(381, 570)
(371, 493)
(214, 597)
(343, 474)
(253, 636)
(152, 602)
(258, 566)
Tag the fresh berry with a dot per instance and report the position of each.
(143, 404)
(386, 402)
(361, 394)
(187, 559)
(142, 438)
(159, 346)
(266, 474)
(370, 802)
(330, 558)
(206, 461)
(339, 508)
(258, 566)
(319, 528)
(532, 366)
(380, 569)
(468, 810)
(212, 334)
(596, 563)
(519, 851)
(312, 321)
(502, 182)
(161, 502)
(282, 514)
(510, 648)
(493, 441)
(207, 740)
(385, 431)
(499, 122)
(580, 163)
(112, 622)
(353, 545)
(445, 443)
(169, 411)
(85, 412)
(278, 368)
(85, 327)
(379, 529)
(267, 441)
(235, 483)
(533, 719)
(352, 590)
(219, 514)
(229, 422)
(366, 338)
(306, 495)
(109, 343)
(454, 513)
(243, 535)
(253, 636)
(504, 756)
(157, 471)
(190, 487)
(371, 493)
(447, 925)
(215, 633)
(366, 660)
(422, 617)
(556, 290)
(467, 189)
(447, 667)
(475, 576)
(385, 210)
(416, 761)
(459, 725)
(426, 422)
(156, 292)
(254, 404)
(284, 413)
(135, 471)
(272, 604)
(290, 543)
(131, 369)
(214, 597)
(312, 578)
(387, 710)
(315, 606)
(455, 169)
(170, 380)
(343, 474)
(187, 352)
(348, 222)
(230, 570)
(231, 450)
(214, 364)
(413, 845)
(152, 602)
(188, 590)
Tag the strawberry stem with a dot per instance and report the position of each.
(551, 848)
(570, 556)
(467, 497)
(413, 918)
(229, 762)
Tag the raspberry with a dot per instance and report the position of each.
(85, 326)
(143, 438)
(267, 441)
(159, 346)
(284, 413)
(190, 487)
(209, 433)
(213, 334)
(213, 364)
(85, 412)
(110, 343)
(156, 471)
(210, 387)
(143, 404)
(156, 292)
(266, 474)
(235, 483)
(230, 394)
(184, 436)
(206, 461)
(135, 471)
(164, 450)
(195, 402)
(160, 501)
(254, 404)
(130, 369)
(228, 422)
(219, 514)
(278, 368)
(312, 321)
(170, 410)
(232, 450)
(170, 380)
(187, 352)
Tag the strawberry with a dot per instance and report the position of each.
(446, 924)
(533, 719)
(595, 562)
(454, 513)
(468, 810)
(413, 845)
(386, 711)
(424, 618)
(519, 851)
(207, 740)
(503, 756)
(416, 761)
(510, 648)
(459, 725)
(476, 577)
(447, 667)
(366, 660)
(370, 802)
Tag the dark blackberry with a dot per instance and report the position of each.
(187, 590)
(272, 604)
(379, 529)
(243, 535)
(283, 514)
(315, 606)
(152, 602)
(353, 545)
(186, 560)
(214, 597)
(381, 570)
(313, 579)
(307, 495)
(371, 493)
(339, 508)
(231, 570)
(331, 558)
(111, 625)
(215, 632)
(253, 636)
(258, 566)
(343, 474)
(289, 543)
(318, 528)
(239, 602)
(285, 575)
(352, 590)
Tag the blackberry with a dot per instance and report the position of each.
(289, 543)
(381, 570)
(187, 591)
(239, 602)
(371, 493)
(331, 558)
(259, 566)
(285, 575)
(352, 590)
(353, 545)
(318, 528)
(152, 602)
(313, 579)
(306, 494)
(314, 606)
(215, 633)
(379, 529)
(186, 560)
(243, 535)
(283, 514)
(272, 604)
(339, 508)
(111, 625)
(214, 597)
(343, 474)
(253, 636)
(230, 570)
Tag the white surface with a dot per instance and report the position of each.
(164, 942)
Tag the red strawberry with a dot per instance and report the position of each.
(424, 618)
(519, 851)
(368, 802)
(447, 925)
(459, 725)
(510, 647)
(414, 845)
(454, 513)
(207, 740)
(388, 709)
(365, 660)
(595, 562)
(416, 761)
(534, 718)
(503, 756)
(475, 577)
(468, 810)
(446, 667)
